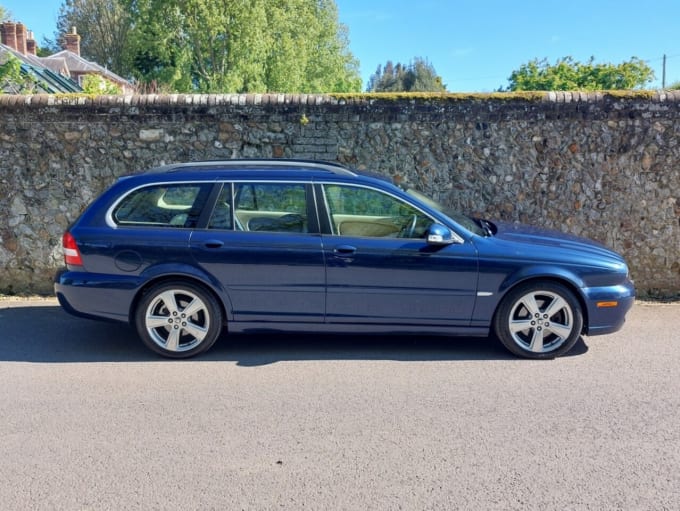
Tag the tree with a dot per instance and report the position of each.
(4, 14)
(96, 84)
(217, 45)
(12, 80)
(309, 49)
(418, 76)
(242, 46)
(158, 59)
(568, 74)
(104, 27)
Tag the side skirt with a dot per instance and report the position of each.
(261, 327)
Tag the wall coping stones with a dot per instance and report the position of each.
(84, 100)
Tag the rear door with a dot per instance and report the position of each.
(262, 243)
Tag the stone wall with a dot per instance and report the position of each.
(597, 165)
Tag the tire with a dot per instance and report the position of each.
(539, 319)
(178, 319)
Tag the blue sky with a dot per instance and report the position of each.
(475, 45)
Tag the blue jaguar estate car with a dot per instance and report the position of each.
(186, 251)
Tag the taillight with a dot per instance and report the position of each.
(71, 252)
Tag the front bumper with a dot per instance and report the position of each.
(603, 318)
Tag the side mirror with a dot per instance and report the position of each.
(437, 234)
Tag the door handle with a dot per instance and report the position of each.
(213, 244)
(344, 250)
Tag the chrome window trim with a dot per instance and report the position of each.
(221, 181)
(457, 239)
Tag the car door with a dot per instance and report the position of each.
(380, 268)
(264, 247)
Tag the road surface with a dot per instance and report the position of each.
(91, 420)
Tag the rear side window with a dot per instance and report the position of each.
(271, 207)
(176, 205)
(272, 197)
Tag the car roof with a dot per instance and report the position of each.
(287, 165)
(278, 169)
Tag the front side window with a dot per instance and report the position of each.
(270, 207)
(167, 205)
(357, 211)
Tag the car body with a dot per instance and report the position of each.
(184, 251)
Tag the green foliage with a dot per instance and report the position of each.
(45, 50)
(418, 76)
(95, 84)
(10, 71)
(308, 48)
(216, 45)
(159, 54)
(568, 74)
(4, 14)
(12, 80)
(242, 46)
(104, 27)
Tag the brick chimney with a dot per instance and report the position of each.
(9, 34)
(31, 47)
(21, 38)
(73, 41)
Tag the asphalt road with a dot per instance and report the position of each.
(91, 420)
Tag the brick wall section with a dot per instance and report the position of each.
(598, 165)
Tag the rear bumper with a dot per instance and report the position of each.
(607, 319)
(95, 296)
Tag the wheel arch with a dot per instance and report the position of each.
(181, 277)
(572, 284)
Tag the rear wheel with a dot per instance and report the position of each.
(178, 319)
(539, 320)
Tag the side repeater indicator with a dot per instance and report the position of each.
(607, 305)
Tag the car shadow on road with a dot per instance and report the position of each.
(46, 334)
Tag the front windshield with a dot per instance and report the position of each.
(461, 219)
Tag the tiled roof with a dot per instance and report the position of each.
(79, 65)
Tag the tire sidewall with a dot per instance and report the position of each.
(502, 316)
(212, 309)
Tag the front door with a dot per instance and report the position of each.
(381, 270)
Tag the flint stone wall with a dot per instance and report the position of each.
(597, 165)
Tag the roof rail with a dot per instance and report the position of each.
(333, 167)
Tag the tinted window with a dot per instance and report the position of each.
(356, 211)
(163, 205)
(273, 207)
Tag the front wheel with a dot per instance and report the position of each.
(178, 319)
(539, 320)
